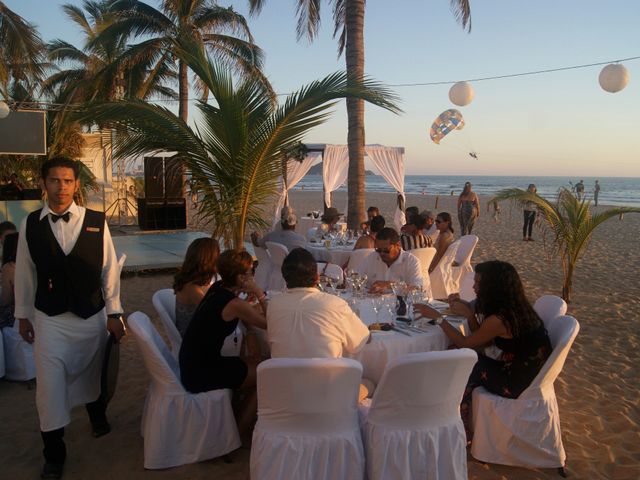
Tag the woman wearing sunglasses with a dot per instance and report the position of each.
(445, 238)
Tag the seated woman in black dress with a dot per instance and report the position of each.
(510, 321)
(202, 367)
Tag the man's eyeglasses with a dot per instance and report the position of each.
(383, 250)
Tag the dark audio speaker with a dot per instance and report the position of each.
(176, 213)
(173, 185)
(153, 177)
(160, 214)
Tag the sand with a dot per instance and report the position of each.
(597, 390)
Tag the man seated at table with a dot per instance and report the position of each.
(391, 264)
(408, 213)
(412, 236)
(329, 219)
(285, 236)
(372, 212)
(368, 240)
(304, 322)
(430, 229)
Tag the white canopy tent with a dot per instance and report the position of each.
(389, 161)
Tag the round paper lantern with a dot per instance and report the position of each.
(461, 94)
(4, 110)
(613, 78)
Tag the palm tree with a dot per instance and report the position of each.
(348, 16)
(210, 25)
(570, 223)
(21, 53)
(235, 153)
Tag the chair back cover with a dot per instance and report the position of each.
(334, 271)
(164, 302)
(422, 389)
(562, 332)
(307, 420)
(277, 253)
(358, 258)
(263, 271)
(442, 278)
(19, 364)
(425, 255)
(549, 307)
(465, 250)
(466, 287)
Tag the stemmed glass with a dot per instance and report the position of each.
(331, 283)
(390, 304)
(377, 303)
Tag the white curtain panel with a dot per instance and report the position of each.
(390, 163)
(335, 166)
(295, 172)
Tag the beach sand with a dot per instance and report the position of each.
(597, 390)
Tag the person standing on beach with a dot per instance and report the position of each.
(468, 209)
(596, 192)
(580, 189)
(68, 284)
(530, 210)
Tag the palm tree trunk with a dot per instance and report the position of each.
(354, 54)
(183, 91)
(567, 281)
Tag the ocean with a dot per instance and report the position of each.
(621, 191)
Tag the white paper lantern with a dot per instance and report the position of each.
(4, 110)
(613, 78)
(461, 94)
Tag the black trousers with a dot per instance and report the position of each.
(529, 218)
(55, 450)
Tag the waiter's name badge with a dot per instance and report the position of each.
(93, 229)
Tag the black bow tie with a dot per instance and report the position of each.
(64, 216)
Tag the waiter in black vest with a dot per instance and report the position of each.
(67, 291)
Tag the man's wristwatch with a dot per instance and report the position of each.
(117, 316)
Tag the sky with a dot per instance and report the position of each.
(555, 124)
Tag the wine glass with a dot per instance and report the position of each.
(390, 305)
(332, 282)
(377, 303)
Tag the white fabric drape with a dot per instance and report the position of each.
(335, 165)
(390, 163)
(295, 172)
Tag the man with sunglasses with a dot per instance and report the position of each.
(391, 264)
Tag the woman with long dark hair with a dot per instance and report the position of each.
(193, 279)
(445, 238)
(510, 322)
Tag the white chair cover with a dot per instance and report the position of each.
(179, 427)
(425, 255)
(358, 258)
(307, 420)
(413, 428)
(311, 233)
(331, 270)
(463, 258)
(525, 431)
(442, 279)
(19, 364)
(164, 301)
(466, 287)
(550, 307)
(264, 269)
(277, 253)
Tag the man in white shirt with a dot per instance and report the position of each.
(430, 229)
(67, 291)
(391, 264)
(285, 236)
(304, 322)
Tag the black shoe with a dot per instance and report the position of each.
(101, 430)
(52, 470)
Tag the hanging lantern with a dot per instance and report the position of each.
(461, 94)
(4, 110)
(613, 78)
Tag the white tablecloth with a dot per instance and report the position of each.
(338, 254)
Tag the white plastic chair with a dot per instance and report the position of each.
(277, 253)
(413, 428)
(525, 431)
(264, 269)
(164, 301)
(463, 259)
(179, 427)
(550, 307)
(442, 280)
(307, 420)
(358, 258)
(425, 255)
(466, 287)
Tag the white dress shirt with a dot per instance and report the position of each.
(307, 323)
(66, 234)
(406, 268)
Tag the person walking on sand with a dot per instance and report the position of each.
(468, 209)
(580, 189)
(68, 284)
(596, 192)
(530, 210)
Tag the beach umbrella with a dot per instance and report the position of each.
(461, 94)
(613, 78)
(446, 122)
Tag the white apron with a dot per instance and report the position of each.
(69, 351)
